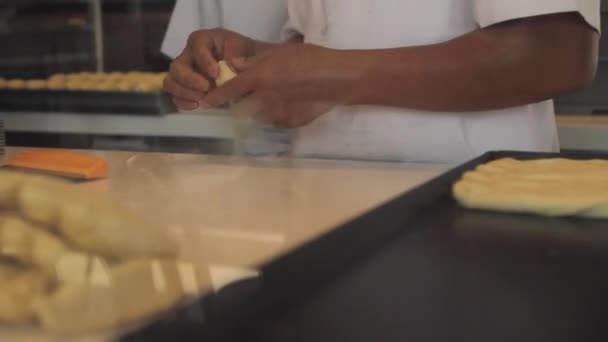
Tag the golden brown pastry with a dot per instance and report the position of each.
(551, 187)
(31, 245)
(115, 76)
(144, 87)
(56, 84)
(58, 78)
(74, 84)
(123, 85)
(19, 289)
(112, 296)
(90, 222)
(15, 84)
(35, 84)
(104, 86)
(75, 261)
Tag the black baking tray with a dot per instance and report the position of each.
(68, 101)
(420, 268)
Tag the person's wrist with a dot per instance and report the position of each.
(350, 68)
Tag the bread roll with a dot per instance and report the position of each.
(18, 294)
(123, 294)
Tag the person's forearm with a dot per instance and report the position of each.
(503, 66)
(260, 47)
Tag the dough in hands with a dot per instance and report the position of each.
(225, 74)
(550, 187)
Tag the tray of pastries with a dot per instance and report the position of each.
(132, 92)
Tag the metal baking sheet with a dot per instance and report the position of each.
(420, 268)
(105, 102)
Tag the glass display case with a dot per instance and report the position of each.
(87, 74)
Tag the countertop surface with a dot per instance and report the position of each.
(230, 214)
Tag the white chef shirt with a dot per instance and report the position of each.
(386, 133)
(383, 133)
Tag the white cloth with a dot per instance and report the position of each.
(380, 133)
(259, 19)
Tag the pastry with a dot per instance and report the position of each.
(550, 187)
(121, 294)
(15, 84)
(35, 84)
(30, 245)
(19, 289)
(89, 222)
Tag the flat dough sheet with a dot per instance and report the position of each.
(551, 187)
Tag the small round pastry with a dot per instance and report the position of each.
(135, 75)
(58, 78)
(86, 75)
(16, 83)
(56, 84)
(97, 76)
(104, 86)
(123, 85)
(88, 85)
(73, 77)
(74, 85)
(115, 75)
(144, 87)
(35, 84)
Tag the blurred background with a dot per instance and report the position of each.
(46, 37)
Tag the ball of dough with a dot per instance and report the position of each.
(225, 74)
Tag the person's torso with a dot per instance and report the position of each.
(383, 133)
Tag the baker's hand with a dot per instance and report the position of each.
(192, 73)
(288, 85)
